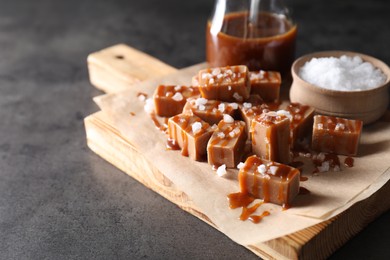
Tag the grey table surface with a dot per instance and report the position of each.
(58, 200)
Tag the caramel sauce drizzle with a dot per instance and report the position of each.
(162, 127)
(172, 144)
(247, 211)
(349, 162)
(239, 199)
(257, 218)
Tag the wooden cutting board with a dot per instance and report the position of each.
(118, 68)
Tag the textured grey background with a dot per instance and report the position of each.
(58, 200)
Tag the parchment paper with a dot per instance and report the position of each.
(331, 192)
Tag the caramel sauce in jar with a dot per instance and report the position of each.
(270, 45)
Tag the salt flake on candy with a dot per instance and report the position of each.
(227, 118)
(178, 96)
(221, 171)
(196, 127)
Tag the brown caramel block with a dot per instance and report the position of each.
(211, 111)
(170, 100)
(336, 135)
(266, 84)
(191, 134)
(302, 121)
(230, 84)
(248, 112)
(270, 181)
(271, 136)
(226, 145)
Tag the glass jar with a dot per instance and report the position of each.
(256, 33)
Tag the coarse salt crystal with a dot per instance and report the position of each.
(262, 169)
(201, 107)
(149, 106)
(177, 97)
(233, 105)
(344, 73)
(325, 166)
(221, 135)
(177, 88)
(339, 127)
(196, 127)
(321, 156)
(200, 101)
(221, 171)
(272, 113)
(247, 105)
(273, 169)
(216, 71)
(240, 165)
(320, 126)
(284, 113)
(229, 88)
(211, 81)
(221, 107)
(236, 131)
(141, 97)
(227, 118)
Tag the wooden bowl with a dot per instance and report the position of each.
(366, 105)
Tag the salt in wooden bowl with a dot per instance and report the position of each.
(367, 105)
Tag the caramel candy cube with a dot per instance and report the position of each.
(230, 84)
(191, 134)
(170, 100)
(301, 121)
(270, 181)
(250, 111)
(211, 111)
(266, 84)
(336, 135)
(271, 136)
(226, 145)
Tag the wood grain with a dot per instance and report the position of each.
(118, 67)
(316, 242)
